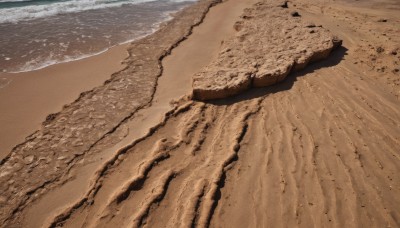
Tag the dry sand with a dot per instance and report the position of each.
(319, 149)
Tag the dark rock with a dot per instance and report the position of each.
(337, 42)
(380, 50)
(382, 20)
(285, 4)
(246, 17)
(311, 25)
(50, 118)
(295, 14)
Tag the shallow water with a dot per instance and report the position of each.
(37, 33)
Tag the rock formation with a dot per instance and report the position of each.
(260, 55)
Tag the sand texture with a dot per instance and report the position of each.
(27, 98)
(68, 135)
(260, 55)
(319, 149)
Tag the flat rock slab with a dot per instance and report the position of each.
(268, 45)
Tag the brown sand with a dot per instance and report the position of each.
(27, 98)
(319, 149)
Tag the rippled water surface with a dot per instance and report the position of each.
(37, 33)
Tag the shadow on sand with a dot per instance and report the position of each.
(335, 58)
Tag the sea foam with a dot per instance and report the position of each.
(16, 14)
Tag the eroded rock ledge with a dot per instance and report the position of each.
(269, 43)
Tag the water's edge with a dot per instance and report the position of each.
(40, 43)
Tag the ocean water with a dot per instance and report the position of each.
(38, 33)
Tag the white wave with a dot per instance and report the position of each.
(7, 1)
(37, 64)
(39, 11)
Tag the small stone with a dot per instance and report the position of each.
(121, 157)
(380, 50)
(382, 20)
(61, 158)
(29, 159)
(62, 119)
(311, 25)
(226, 50)
(336, 41)
(17, 166)
(50, 118)
(46, 160)
(295, 14)
(285, 4)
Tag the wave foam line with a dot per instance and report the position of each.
(16, 14)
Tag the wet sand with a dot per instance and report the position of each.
(178, 67)
(320, 149)
(27, 98)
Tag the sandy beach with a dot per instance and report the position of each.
(234, 113)
(29, 97)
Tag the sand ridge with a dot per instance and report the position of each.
(74, 131)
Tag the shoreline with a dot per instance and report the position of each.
(64, 61)
(172, 85)
(31, 96)
(148, 52)
(43, 49)
(17, 126)
(154, 28)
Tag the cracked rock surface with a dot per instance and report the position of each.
(260, 55)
